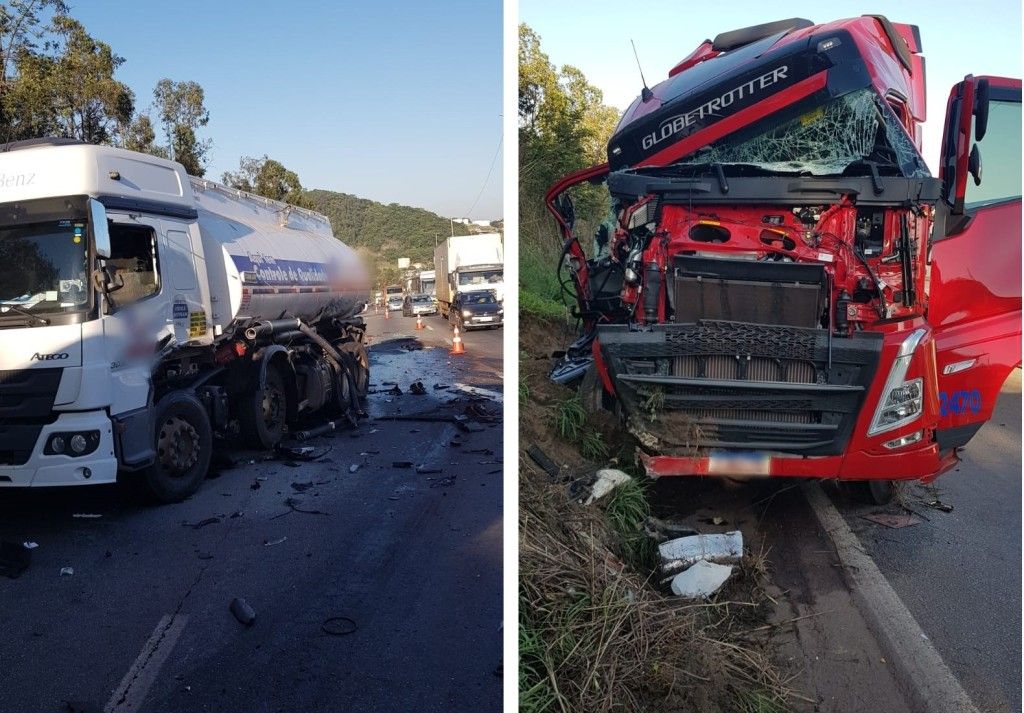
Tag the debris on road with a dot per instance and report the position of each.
(353, 468)
(608, 480)
(301, 487)
(275, 542)
(14, 559)
(444, 482)
(202, 523)
(402, 464)
(67, 571)
(661, 530)
(894, 521)
(701, 580)
(302, 453)
(939, 505)
(425, 470)
(339, 626)
(417, 388)
(293, 506)
(679, 554)
(546, 464)
(242, 611)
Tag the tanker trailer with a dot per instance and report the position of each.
(145, 313)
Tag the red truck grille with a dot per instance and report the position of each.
(740, 385)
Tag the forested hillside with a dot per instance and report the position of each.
(390, 231)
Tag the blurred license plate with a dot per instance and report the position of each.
(484, 319)
(739, 463)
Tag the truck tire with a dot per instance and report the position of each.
(263, 413)
(184, 446)
(359, 364)
(873, 492)
(591, 391)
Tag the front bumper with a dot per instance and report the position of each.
(424, 310)
(41, 470)
(925, 464)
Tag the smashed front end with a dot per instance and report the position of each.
(754, 302)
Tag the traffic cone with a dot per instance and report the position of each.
(419, 321)
(387, 311)
(457, 346)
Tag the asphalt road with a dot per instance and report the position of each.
(959, 573)
(411, 560)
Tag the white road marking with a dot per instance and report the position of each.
(429, 327)
(493, 395)
(922, 675)
(128, 696)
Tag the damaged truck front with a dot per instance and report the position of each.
(780, 287)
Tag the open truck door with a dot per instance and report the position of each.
(975, 286)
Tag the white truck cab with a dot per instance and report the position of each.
(122, 280)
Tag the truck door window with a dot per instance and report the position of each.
(133, 255)
(1000, 158)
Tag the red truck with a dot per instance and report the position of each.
(781, 288)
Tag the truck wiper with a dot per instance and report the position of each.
(21, 310)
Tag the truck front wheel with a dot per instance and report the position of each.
(184, 444)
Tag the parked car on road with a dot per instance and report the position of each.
(479, 309)
(418, 304)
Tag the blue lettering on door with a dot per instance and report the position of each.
(959, 402)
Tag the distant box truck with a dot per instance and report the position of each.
(463, 263)
(144, 313)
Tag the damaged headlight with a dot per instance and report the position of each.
(901, 401)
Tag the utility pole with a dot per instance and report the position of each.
(452, 222)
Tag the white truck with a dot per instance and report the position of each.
(463, 263)
(425, 284)
(144, 313)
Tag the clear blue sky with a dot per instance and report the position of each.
(958, 38)
(396, 100)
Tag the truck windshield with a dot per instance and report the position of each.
(845, 135)
(43, 267)
(483, 277)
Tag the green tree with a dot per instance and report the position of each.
(140, 136)
(269, 178)
(564, 126)
(182, 111)
(69, 90)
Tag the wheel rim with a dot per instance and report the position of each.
(273, 405)
(177, 446)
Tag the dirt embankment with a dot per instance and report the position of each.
(597, 630)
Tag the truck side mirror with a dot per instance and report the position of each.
(100, 231)
(974, 164)
(981, 104)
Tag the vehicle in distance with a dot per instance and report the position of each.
(418, 305)
(395, 303)
(478, 309)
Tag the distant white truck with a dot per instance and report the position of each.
(143, 312)
(425, 284)
(464, 263)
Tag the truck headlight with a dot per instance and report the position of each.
(466, 313)
(901, 401)
(74, 444)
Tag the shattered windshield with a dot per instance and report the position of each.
(43, 267)
(852, 129)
